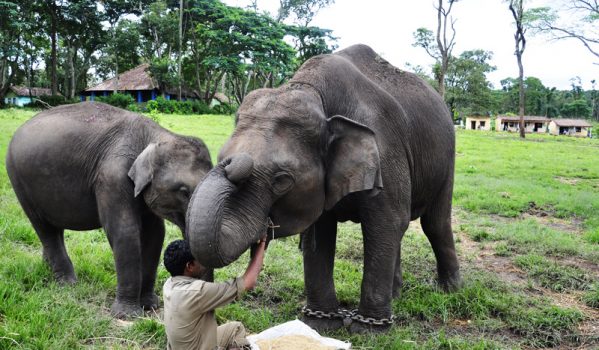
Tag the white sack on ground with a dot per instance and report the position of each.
(296, 329)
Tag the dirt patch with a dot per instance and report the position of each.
(589, 327)
(537, 210)
(484, 257)
(568, 180)
(573, 225)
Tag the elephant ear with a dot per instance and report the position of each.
(352, 160)
(142, 171)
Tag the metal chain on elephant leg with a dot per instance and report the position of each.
(339, 313)
(345, 314)
(372, 321)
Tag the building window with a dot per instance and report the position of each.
(578, 129)
(482, 124)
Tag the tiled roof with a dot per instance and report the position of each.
(572, 122)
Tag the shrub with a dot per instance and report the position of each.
(224, 108)
(116, 99)
(162, 105)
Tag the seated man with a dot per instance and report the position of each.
(189, 302)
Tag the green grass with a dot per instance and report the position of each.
(514, 260)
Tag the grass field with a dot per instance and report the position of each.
(526, 219)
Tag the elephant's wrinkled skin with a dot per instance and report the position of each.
(350, 137)
(91, 165)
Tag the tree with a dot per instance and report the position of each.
(309, 41)
(303, 10)
(517, 9)
(440, 46)
(594, 101)
(581, 25)
(82, 34)
(123, 51)
(51, 14)
(14, 24)
(113, 11)
(539, 100)
(246, 46)
(468, 89)
(576, 109)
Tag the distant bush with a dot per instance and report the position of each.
(162, 105)
(51, 101)
(224, 108)
(117, 100)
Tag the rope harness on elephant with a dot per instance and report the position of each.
(348, 316)
(270, 226)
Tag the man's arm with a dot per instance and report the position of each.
(253, 270)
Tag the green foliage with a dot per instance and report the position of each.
(591, 298)
(552, 275)
(117, 100)
(592, 236)
(545, 327)
(224, 108)
(467, 87)
(162, 105)
(577, 108)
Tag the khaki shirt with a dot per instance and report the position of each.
(189, 305)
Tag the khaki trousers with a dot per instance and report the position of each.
(231, 334)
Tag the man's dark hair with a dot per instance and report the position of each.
(176, 255)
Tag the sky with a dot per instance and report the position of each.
(388, 26)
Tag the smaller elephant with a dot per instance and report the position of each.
(91, 165)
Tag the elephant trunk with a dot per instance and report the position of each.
(222, 222)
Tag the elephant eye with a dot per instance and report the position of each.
(184, 190)
(282, 183)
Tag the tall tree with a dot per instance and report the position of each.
(12, 26)
(468, 90)
(113, 11)
(51, 11)
(82, 35)
(517, 9)
(581, 23)
(303, 11)
(594, 101)
(441, 45)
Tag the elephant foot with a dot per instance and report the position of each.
(451, 283)
(361, 324)
(323, 324)
(151, 301)
(363, 328)
(65, 278)
(124, 310)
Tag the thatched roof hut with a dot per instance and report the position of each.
(139, 83)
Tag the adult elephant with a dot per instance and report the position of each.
(350, 137)
(91, 165)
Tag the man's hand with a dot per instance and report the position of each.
(253, 270)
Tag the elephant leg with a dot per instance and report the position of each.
(152, 238)
(318, 245)
(436, 224)
(122, 223)
(55, 252)
(382, 231)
